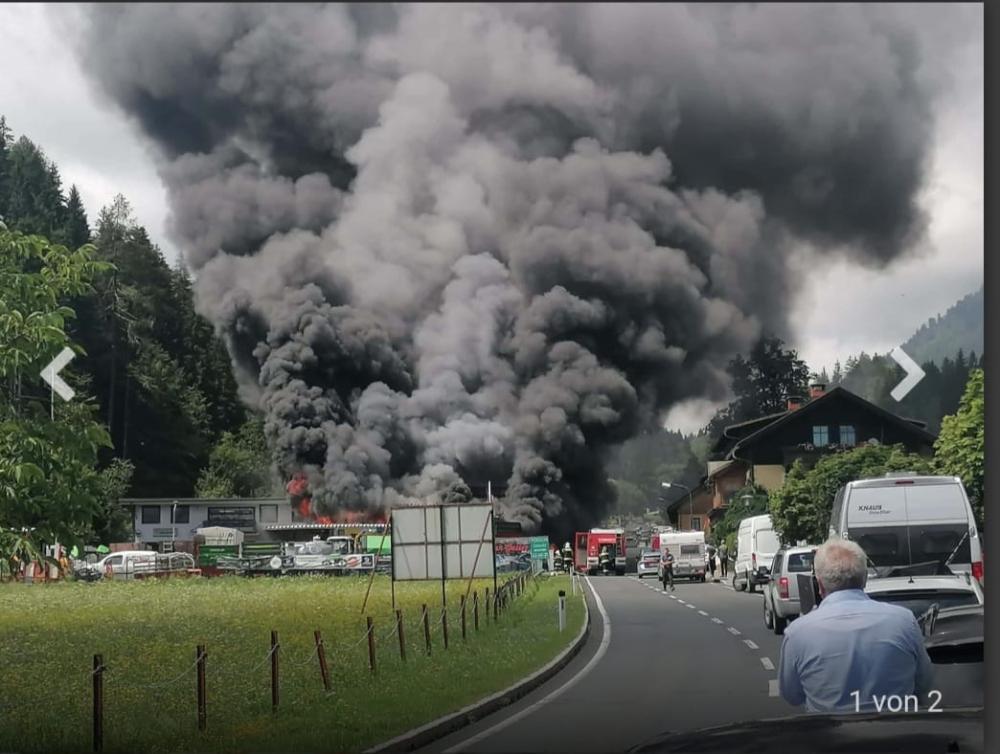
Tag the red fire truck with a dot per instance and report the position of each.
(587, 551)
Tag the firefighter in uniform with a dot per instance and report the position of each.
(604, 560)
(567, 557)
(557, 559)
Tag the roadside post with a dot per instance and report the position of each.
(562, 610)
(371, 643)
(399, 632)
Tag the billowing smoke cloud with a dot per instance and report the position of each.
(457, 244)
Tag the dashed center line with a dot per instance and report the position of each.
(716, 620)
(733, 631)
(750, 643)
(772, 687)
(702, 612)
(766, 662)
(691, 606)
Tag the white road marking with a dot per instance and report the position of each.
(749, 643)
(766, 662)
(598, 656)
(772, 687)
(716, 620)
(672, 596)
(691, 606)
(681, 602)
(702, 612)
(733, 631)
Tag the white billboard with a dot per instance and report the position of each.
(443, 541)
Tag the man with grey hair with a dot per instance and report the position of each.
(851, 650)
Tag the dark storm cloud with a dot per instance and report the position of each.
(455, 244)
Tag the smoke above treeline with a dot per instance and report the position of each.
(452, 244)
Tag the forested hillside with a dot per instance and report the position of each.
(158, 374)
(961, 327)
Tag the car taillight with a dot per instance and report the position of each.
(977, 570)
(753, 559)
(783, 588)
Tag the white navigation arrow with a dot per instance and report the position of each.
(51, 374)
(913, 373)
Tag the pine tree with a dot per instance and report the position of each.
(5, 142)
(76, 230)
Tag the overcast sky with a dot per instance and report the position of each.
(842, 309)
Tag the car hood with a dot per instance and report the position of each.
(920, 733)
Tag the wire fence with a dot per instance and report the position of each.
(379, 646)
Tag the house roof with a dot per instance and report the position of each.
(204, 500)
(907, 425)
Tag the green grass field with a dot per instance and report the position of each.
(148, 630)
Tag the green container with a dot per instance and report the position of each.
(374, 541)
(208, 555)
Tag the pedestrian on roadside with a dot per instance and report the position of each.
(851, 651)
(667, 568)
(710, 560)
(723, 559)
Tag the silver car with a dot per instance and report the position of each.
(918, 593)
(649, 564)
(781, 592)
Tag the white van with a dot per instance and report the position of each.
(756, 544)
(906, 519)
(688, 549)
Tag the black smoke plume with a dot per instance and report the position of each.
(450, 244)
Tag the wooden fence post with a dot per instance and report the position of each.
(201, 656)
(427, 629)
(371, 643)
(399, 631)
(324, 671)
(98, 703)
(462, 607)
(274, 671)
(444, 626)
(475, 610)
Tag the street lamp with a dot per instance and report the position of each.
(668, 485)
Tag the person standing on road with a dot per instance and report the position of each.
(667, 568)
(851, 651)
(710, 560)
(723, 562)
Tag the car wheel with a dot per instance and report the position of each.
(768, 619)
(738, 587)
(778, 624)
(750, 585)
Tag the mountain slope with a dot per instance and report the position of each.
(961, 327)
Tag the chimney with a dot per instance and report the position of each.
(816, 390)
(795, 402)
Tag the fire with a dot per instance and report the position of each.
(298, 490)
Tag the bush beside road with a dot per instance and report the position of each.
(147, 633)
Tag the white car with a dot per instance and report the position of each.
(649, 564)
(756, 544)
(781, 592)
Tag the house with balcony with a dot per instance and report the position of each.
(761, 451)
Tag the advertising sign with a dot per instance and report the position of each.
(442, 542)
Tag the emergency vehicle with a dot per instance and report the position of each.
(587, 552)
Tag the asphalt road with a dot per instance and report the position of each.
(695, 658)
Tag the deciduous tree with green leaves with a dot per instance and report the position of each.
(960, 449)
(800, 509)
(48, 452)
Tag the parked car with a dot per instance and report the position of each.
(756, 544)
(781, 592)
(649, 564)
(903, 519)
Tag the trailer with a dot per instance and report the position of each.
(589, 544)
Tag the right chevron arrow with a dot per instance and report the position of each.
(913, 373)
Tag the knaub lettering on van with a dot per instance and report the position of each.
(875, 508)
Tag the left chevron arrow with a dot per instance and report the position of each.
(51, 374)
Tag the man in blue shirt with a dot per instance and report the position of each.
(851, 652)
